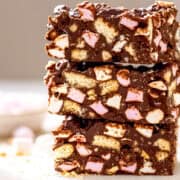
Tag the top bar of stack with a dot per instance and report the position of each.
(95, 32)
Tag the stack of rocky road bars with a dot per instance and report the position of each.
(116, 81)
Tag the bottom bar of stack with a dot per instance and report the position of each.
(102, 147)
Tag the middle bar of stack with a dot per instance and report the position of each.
(122, 118)
(113, 93)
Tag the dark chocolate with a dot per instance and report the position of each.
(112, 92)
(114, 148)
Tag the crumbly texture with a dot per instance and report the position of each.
(100, 33)
(176, 96)
(112, 92)
(104, 147)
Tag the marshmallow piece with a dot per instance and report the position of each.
(90, 38)
(83, 150)
(76, 95)
(129, 23)
(123, 77)
(134, 95)
(155, 116)
(147, 168)
(62, 41)
(99, 108)
(133, 113)
(95, 167)
(86, 10)
(131, 168)
(144, 130)
(114, 101)
(68, 166)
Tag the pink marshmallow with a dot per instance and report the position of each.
(86, 14)
(134, 95)
(77, 138)
(158, 38)
(163, 46)
(133, 113)
(76, 95)
(83, 150)
(124, 82)
(122, 77)
(68, 166)
(90, 38)
(129, 23)
(99, 108)
(94, 166)
(128, 168)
